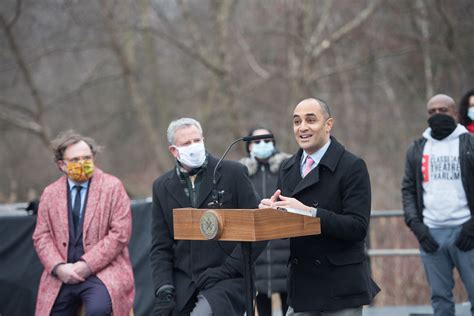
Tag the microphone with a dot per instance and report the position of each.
(256, 137)
(217, 195)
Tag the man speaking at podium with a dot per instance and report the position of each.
(196, 277)
(328, 275)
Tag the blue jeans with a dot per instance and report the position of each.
(439, 270)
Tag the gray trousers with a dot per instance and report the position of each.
(202, 307)
(342, 312)
(439, 270)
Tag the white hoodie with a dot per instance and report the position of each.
(444, 199)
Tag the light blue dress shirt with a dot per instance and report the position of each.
(317, 156)
(73, 192)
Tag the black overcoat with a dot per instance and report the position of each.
(330, 271)
(180, 262)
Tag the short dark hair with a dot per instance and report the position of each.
(463, 106)
(68, 138)
(324, 106)
(251, 131)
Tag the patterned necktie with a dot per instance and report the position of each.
(307, 167)
(76, 208)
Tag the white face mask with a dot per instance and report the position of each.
(262, 150)
(192, 156)
(470, 113)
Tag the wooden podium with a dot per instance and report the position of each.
(244, 225)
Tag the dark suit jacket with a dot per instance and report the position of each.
(180, 262)
(329, 271)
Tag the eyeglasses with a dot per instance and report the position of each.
(77, 159)
(259, 140)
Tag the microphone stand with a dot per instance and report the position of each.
(218, 195)
(246, 246)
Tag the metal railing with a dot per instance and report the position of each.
(390, 252)
(18, 209)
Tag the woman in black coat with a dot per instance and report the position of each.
(271, 269)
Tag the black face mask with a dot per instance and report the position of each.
(441, 125)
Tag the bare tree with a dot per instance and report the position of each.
(423, 24)
(11, 112)
(125, 54)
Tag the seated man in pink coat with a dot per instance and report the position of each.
(81, 236)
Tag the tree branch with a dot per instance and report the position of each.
(126, 60)
(191, 28)
(43, 131)
(16, 107)
(15, 18)
(313, 41)
(83, 86)
(20, 120)
(326, 72)
(250, 57)
(344, 30)
(423, 24)
(183, 48)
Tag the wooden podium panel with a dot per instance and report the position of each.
(245, 224)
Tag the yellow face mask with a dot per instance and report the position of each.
(80, 171)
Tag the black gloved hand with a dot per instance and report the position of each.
(465, 240)
(428, 244)
(422, 233)
(211, 276)
(165, 302)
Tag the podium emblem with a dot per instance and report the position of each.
(210, 225)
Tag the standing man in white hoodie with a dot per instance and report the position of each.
(438, 202)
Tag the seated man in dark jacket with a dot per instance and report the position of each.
(196, 277)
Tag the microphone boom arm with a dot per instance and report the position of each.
(217, 195)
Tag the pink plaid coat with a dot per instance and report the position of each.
(106, 233)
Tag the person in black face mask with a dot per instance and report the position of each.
(438, 202)
(441, 125)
